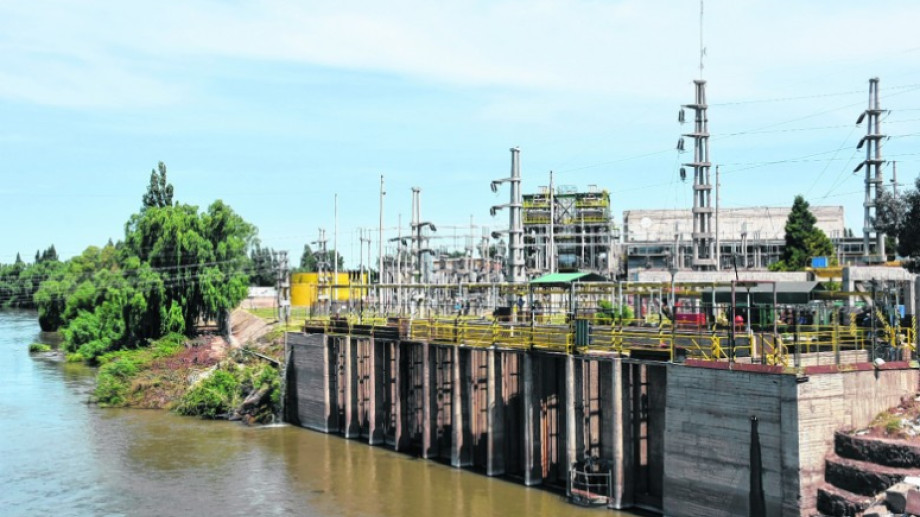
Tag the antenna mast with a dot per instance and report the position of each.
(702, 48)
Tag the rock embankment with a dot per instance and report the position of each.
(870, 475)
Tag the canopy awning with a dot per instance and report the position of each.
(565, 279)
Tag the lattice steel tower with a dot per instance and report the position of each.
(873, 164)
(703, 236)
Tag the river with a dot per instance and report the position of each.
(60, 455)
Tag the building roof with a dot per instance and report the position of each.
(762, 293)
(760, 222)
(567, 278)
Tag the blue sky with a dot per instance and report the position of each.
(277, 106)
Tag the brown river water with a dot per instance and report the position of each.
(61, 456)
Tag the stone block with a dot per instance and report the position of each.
(896, 497)
(913, 501)
(877, 511)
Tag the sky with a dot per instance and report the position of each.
(285, 110)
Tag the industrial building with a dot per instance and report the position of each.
(754, 236)
(565, 229)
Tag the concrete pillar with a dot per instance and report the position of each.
(352, 426)
(911, 298)
(619, 433)
(329, 388)
(496, 416)
(462, 439)
(533, 474)
(848, 286)
(429, 401)
(375, 405)
(401, 362)
(571, 419)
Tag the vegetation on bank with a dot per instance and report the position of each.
(37, 348)
(20, 281)
(175, 373)
(136, 308)
(249, 390)
(121, 376)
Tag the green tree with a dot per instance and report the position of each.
(909, 229)
(159, 192)
(310, 260)
(804, 240)
(264, 264)
(176, 268)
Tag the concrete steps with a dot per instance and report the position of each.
(837, 502)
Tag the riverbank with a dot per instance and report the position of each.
(205, 376)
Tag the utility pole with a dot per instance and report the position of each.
(283, 286)
(380, 244)
(321, 264)
(551, 253)
(873, 164)
(418, 237)
(335, 248)
(718, 242)
(894, 193)
(362, 239)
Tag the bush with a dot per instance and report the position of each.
(115, 376)
(213, 397)
(610, 313)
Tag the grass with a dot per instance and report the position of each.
(37, 348)
(115, 381)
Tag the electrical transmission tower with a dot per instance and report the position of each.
(873, 164)
(283, 287)
(703, 236)
(419, 239)
(515, 263)
(322, 269)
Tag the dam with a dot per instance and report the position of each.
(685, 420)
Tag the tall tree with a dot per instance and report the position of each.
(262, 271)
(177, 268)
(909, 229)
(310, 260)
(49, 255)
(804, 240)
(307, 260)
(159, 192)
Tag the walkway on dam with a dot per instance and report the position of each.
(781, 346)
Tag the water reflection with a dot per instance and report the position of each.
(63, 456)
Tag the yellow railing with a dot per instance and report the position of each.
(629, 336)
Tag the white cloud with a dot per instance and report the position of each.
(114, 53)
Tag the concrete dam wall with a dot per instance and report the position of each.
(674, 438)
